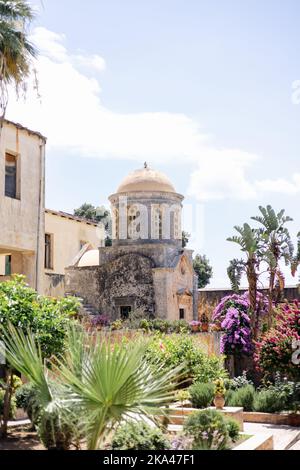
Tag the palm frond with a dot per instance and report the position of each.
(115, 382)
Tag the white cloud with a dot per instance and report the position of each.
(74, 119)
(222, 174)
(280, 185)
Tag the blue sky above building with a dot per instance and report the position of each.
(202, 90)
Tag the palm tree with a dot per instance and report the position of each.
(96, 385)
(16, 51)
(275, 245)
(248, 241)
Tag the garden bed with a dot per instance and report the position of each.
(178, 413)
(288, 419)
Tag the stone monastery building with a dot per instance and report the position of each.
(146, 268)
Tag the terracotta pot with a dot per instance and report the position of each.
(195, 328)
(219, 402)
(204, 327)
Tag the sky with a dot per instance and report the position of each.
(207, 92)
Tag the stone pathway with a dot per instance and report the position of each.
(20, 422)
(285, 437)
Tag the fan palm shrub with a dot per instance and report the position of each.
(91, 389)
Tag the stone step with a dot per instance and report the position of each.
(284, 436)
(295, 446)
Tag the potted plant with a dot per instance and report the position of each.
(204, 323)
(195, 326)
(183, 397)
(219, 400)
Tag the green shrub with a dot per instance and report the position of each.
(54, 433)
(26, 399)
(13, 406)
(268, 401)
(180, 326)
(239, 382)
(208, 429)
(243, 397)
(202, 394)
(48, 318)
(137, 435)
(233, 429)
(173, 350)
(161, 325)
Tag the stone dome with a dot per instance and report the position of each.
(90, 258)
(146, 179)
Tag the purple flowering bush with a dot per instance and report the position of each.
(232, 316)
(100, 321)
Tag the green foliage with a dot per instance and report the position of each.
(219, 388)
(16, 52)
(208, 429)
(203, 270)
(240, 381)
(202, 394)
(48, 318)
(242, 397)
(185, 238)
(13, 406)
(233, 429)
(235, 271)
(137, 435)
(97, 214)
(117, 325)
(26, 399)
(182, 395)
(54, 432)
(282, 395)
(92, 388)
(173, 350)
(268, 401)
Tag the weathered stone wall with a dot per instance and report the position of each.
(214, 296)
(54, 285)
(161, 255)
(84, 283)
(156, 279)
(125, 281)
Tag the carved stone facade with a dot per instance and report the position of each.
(146, 269)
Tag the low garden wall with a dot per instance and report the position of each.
(208, 342)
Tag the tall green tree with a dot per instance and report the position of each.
(16, 51)
(203, 270)
(275, 245)
(97, 214)
(267, 246)
(248, 241)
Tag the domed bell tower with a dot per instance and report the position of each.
(146, 209)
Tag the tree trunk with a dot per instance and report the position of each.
(6, 403)
(252, 281)
(271, 290)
